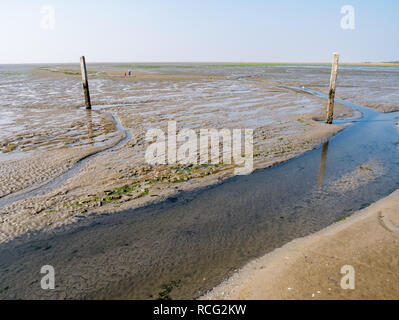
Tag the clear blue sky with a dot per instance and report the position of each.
(201, 30)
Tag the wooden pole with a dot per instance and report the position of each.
(85, 82)
(333, 83)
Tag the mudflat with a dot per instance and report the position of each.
(55, 132)
(213, 239)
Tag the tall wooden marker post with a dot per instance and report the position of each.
(85, 82)
(333, 83)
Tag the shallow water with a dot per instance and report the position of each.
(21, 87)
(46, 105)
(61, 179)
(198, 238)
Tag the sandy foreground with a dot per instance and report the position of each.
(309, 267)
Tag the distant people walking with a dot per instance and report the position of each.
(125, 74)
(130, 73)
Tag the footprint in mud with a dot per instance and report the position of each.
(389, 219)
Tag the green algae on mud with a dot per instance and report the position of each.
(288, 64)
(157, 66)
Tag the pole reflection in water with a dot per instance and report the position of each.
(323, 163)
(90, 133)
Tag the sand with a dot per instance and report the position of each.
(309, 268)
(283, 122)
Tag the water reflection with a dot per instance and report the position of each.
(323, 163)
(90, 133)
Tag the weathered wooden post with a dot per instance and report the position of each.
(85, 82)
(333, 83)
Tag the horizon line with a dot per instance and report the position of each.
(201, 62)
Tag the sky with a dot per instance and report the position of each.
(58, 31)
